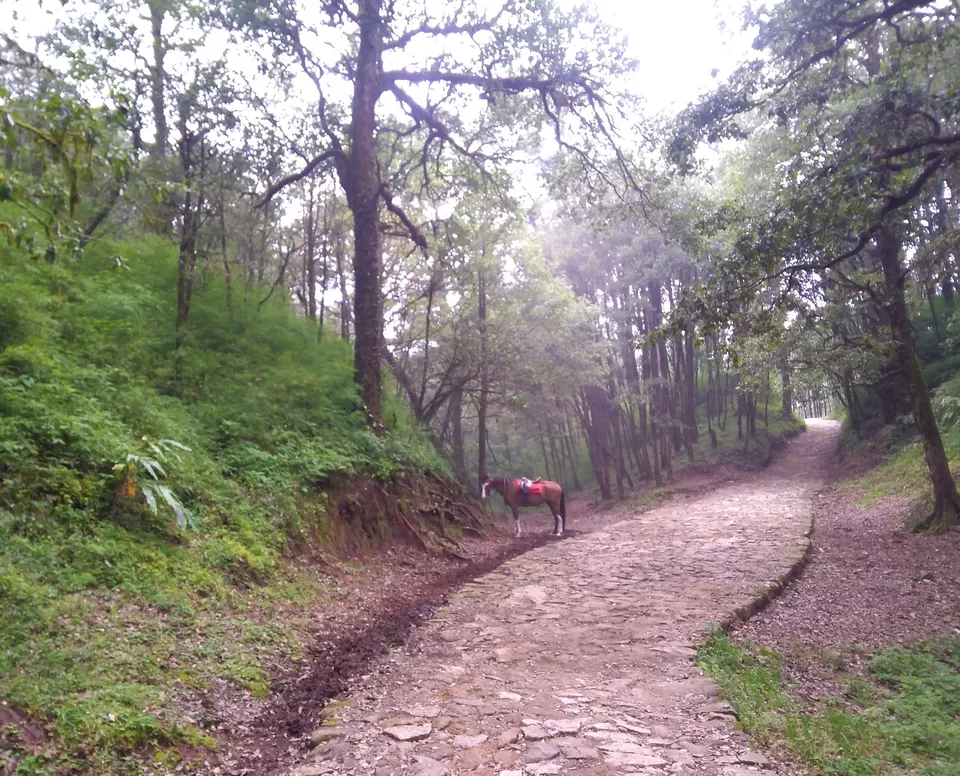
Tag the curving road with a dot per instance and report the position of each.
(577, 658)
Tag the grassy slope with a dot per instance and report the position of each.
(902, 470)
(903, 718)
(114, 624)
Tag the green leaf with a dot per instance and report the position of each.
(151, 498)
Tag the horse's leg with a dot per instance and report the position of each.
(516, 517)
(557, 522)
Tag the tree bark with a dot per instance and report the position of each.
(345, 308)
(690, 397)
(786, 391)
(484, 376)
(158, 78)
(456, 442)
(364, 197)
(311, 255)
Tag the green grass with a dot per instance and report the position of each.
(114, 623)
(903, 717)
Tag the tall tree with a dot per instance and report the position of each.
(453, 77)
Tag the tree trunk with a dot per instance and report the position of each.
(345, 308)
(158, 78)
(648, 359)
(227, 275)
(324, 272)
(660, 377)
(690, 397)
(310, 257)
(567, 444)
(554, 454)
(456, 443)
(186, 267)
(364, 197)
(543, 449)
(594, 420)
(786, 391)
(946, 510)
(484, 376)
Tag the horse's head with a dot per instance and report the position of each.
(489, 485)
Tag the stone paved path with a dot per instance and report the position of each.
(577, 658)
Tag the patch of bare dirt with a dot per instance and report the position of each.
(870, 585)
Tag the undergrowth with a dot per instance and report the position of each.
(752, 452)
(117, 617)
(902, 470)
(903, 717)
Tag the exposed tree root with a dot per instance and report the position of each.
(945, 515)
(426, 510)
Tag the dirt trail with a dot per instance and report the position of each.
(576, 658)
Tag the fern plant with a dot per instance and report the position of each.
(141, 472)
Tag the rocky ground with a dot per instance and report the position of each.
(577, 656)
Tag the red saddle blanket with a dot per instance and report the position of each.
(536, 488)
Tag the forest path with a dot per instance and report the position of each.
(577, 657)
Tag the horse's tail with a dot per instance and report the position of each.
(563, 506)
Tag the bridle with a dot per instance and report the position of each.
(490, 484)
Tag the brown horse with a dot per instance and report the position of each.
(552, 495)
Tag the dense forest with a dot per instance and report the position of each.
(255, 256)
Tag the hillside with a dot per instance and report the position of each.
(111, 616)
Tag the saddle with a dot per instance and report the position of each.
(529, 487)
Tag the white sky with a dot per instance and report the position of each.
(678, 43)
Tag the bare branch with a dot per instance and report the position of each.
(412, 229)
(312, 165)
(511, 85)
(444, 30)
(280, 275)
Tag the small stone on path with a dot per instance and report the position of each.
(624, 746)
(618, 759)
(427, 766)
(534, 733)
(579, 752)
(633, 728)
(544, 769)
(565, 726)
(508, 737)
(409, 732)
(469, 742)
(428, 712)
(754, 758)
(697, 750)
(542, 750)
(324, 734)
